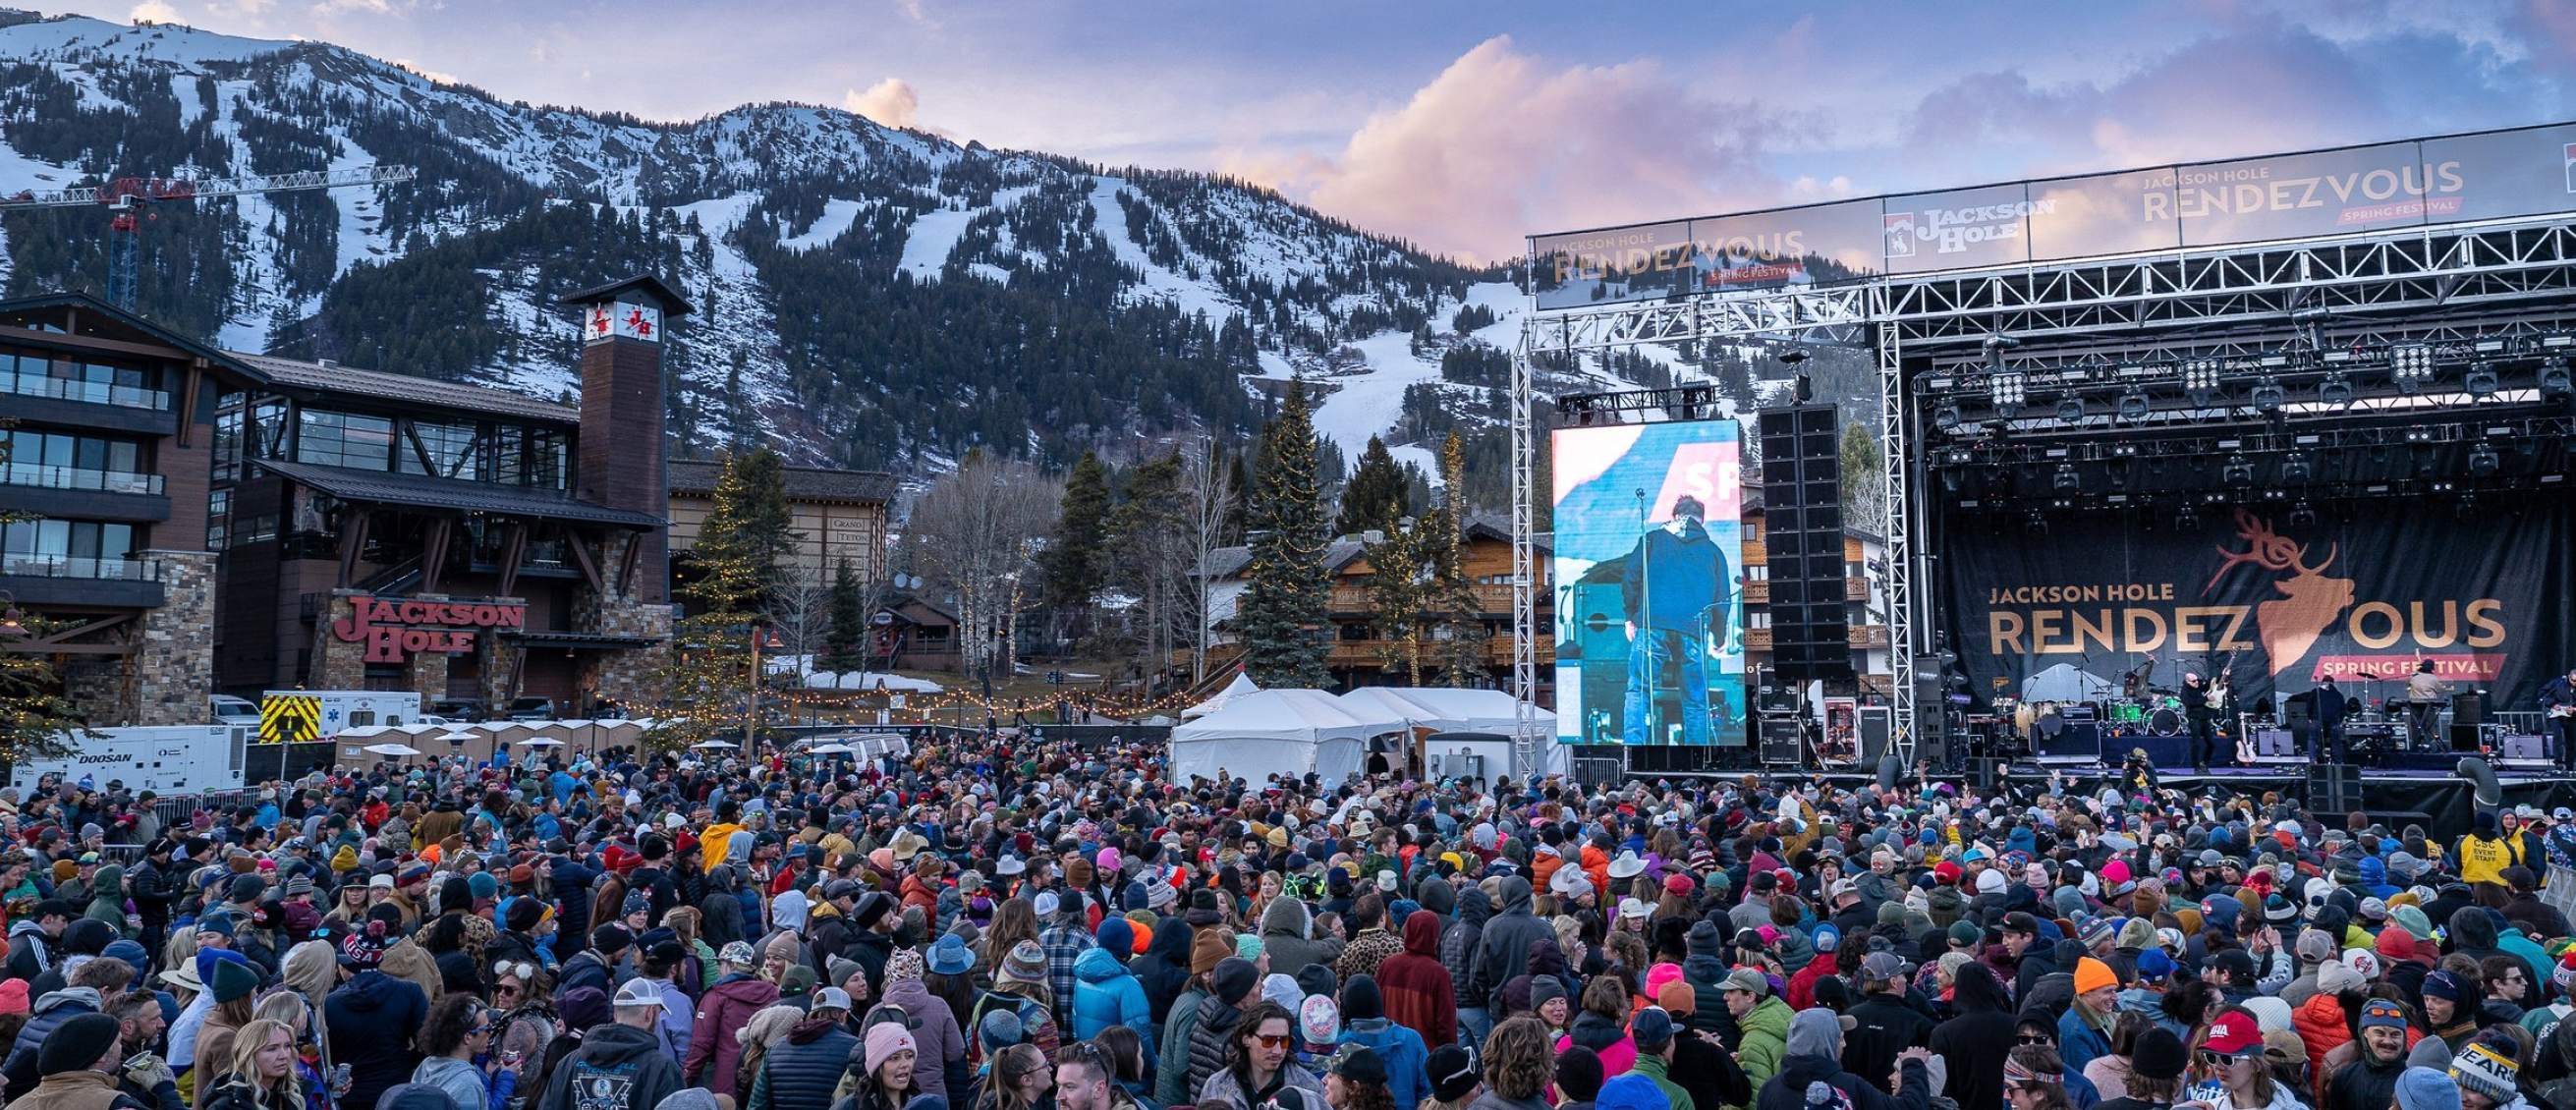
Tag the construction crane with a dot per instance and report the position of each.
(128, 196)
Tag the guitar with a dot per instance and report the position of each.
(2219, 694)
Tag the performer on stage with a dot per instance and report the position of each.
(2327, 707)
(1672, 587)
(2207, 748)
(2558, 706)
(2424, 694)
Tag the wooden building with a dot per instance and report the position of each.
(839, 514)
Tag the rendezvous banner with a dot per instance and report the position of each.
(2453, 179)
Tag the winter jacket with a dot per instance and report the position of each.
(918, 893)
(1606, 1038)
(1788, 1090)
(2364, 1084)
(85, 1090)
(1401, 1050)
(713, 1051)
(49, 1012)
(1105, 993)
(1882, 1026)
(31, 950)
(617, 1067)
(1705, 1069)
(372, 1019)
(801, 1072)
(107, 899)
(1172, 1080)
(1502, 954)
(572, 880)
(939, 1041)
(1211, 1040)
(1458, 944)
(1975, 1042)
(462, 1081)
(1164, 970)
(1658, 1070)
(1766, 1041)
(2080, 1042)
(585, 969)
(1416, 986)
(1286, 929)
(1221, 1089)
(2320, 1023)
(153, 892)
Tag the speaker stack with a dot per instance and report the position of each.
(1802, 514)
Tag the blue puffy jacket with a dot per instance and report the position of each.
(1401, 1049)
(1105, 993)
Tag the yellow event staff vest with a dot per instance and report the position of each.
(2483, 860)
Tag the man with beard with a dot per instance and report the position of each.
(1671, 586)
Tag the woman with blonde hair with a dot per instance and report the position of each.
(231, 990)
(291, 1009)
(682, 921)
(258, 1071)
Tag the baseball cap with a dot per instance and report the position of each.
(1652, 1027)
(2235, 1033)
(831, 998)
(1746, 979)
(1882, 966)
(638, 992)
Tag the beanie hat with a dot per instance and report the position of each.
(13, 996)
(2442, 985)
(904, 966)
(1544, 989)
(1579, 1074)
(1247, 946)
(76, 1044)
(2426, 1089)
(2159, 1054)
(483, 886)
(1361, 999)
(1116, 935)
(1000, 1029)
(1452, 1071)
(1026, 963)
(886, 1038)
(1319, 1020)
(1207, 948)
(1828, 938)
(2092, 975)
(1631, 1091)
(1233, 979)
(2382, 1013)
(232, 980)
(2486, 1071)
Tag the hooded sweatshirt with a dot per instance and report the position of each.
(371, 1019)
(617, 1066)
(1977, 1040)
(107, 899)
(1416, 985)
(1458, 944)
(1164, 970)
(1285, 923)
(714, 1054)
(1503, 952)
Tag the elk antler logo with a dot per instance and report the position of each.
(2309, 603)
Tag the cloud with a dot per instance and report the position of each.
(1501, 145)
(890, 102)
(434, 76)
(154, 11)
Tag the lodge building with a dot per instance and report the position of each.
(203, 521)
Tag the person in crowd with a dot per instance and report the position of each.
(259, 1072)
(457, 1056)
(620, 1064)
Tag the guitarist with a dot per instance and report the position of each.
(2558, 701)
(2200, 707)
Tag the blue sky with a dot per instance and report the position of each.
(1464, 126)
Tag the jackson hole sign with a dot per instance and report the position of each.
(394, 627)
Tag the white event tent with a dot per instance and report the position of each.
(1241, 685)
(1467, 722)
(1269, 732)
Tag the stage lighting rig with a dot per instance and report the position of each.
(2483, 462)
(2067, 480)
(2481, 380)
(2187, 519)
(2336, 390)
(2410, 365)
(2070, 408)
(2267, 395)
(2295, 468)
(2301, 516)
(2554, 384)
(2200, 380)
(1949, 417)
(2007, 392)
(2133, 405)
(2238, 471)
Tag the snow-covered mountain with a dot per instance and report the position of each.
(866, 295)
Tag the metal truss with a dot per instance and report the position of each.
(1525, 738)
(2445, 284)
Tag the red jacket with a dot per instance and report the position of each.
(1415, 984)
(1801, 991)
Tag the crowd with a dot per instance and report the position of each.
(1019, 925)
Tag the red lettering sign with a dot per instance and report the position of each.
(393, 630)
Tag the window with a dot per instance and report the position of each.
(219, 519)
(440, 450)
(69, 460)
(267, 429)
(546, 459)
(228, 442)
(498, 457)
(258, 528)
(344, 439)
(76, 547)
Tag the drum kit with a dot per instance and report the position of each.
(2141, 708)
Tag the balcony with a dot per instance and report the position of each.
(44, 579)
(1371, 653)
(76, 478)
(1863, 637)
(86, 392)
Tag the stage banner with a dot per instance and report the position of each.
(1648, 580)
(2272, 607)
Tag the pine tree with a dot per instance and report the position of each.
(1396, 591)
(1453, 601)
(1282, 614)
(1072, 570)
(1376, 497)
(748, 533)
(845, 636)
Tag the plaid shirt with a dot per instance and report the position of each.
(1064, 944)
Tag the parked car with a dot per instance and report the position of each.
(529, 709)
(229, 710)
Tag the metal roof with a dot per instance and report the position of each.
(804, 483)
(404, 389)
(581, 640)
(386, 488)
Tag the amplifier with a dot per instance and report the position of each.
(2520, 751)
(2275, 745)
(1781, 741)
(2074, 745)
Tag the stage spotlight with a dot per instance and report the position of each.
(2200, 379)
(2070, 408)
(2483, 461)
(1949, 416)
(2301, 516)
(2411, 365)
(2481, 380)
(2007, 392)
(2067, 480)
(2336, 390)
(2133, 404)
(2187, 520)
(2295, 469)
(2553, 380)
(2037, 525)
(2238, 472)
(2267, 396)
(2466, 508)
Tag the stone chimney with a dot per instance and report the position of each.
(620, 463)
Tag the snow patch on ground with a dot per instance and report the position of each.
(933, 235)
(1159, 283)
(837, 217)
(846, 680)
(1369, 401)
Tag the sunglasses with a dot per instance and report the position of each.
(1264, 1041)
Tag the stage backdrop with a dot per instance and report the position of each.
(1617, 488)
(2062, 617)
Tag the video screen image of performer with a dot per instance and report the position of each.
(1674, 593)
